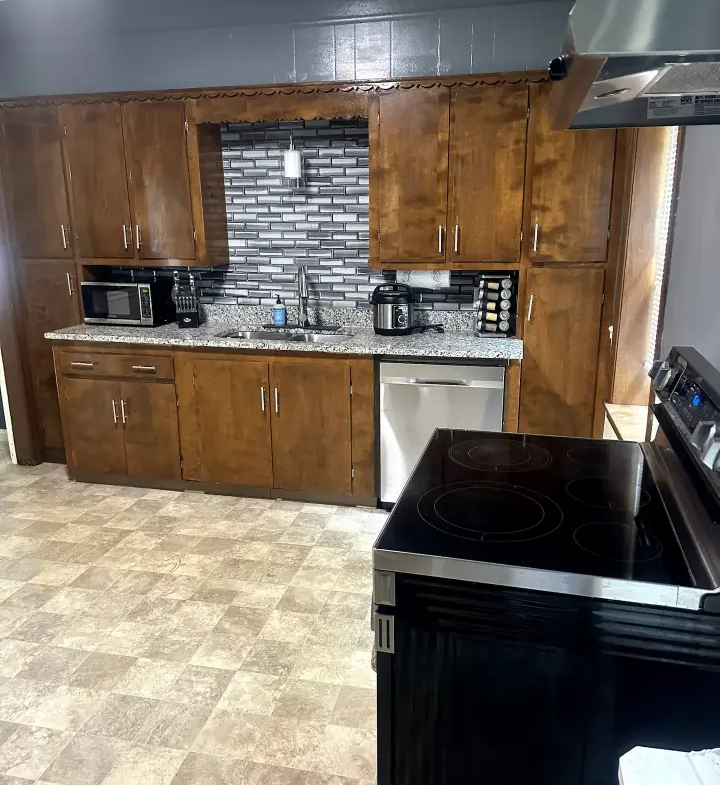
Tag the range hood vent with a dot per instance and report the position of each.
(638, 63)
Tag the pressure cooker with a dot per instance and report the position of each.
(393, 309)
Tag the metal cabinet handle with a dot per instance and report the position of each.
(123, 411)
(144, 368)
(125, 237)
(530, 307)
(114, 405)
(277, 401)
(535, 238)
(64, 239)
(137, 236)
(440, 239)
(71, 290)
(457, 238)
(79, 364)
(262, 398)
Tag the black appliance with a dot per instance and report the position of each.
(393, 312)
(545, 604)
(142, 304)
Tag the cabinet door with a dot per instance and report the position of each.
(94, 147)
(224, 420)
(571, 192)
(149, 414)
(156, 153)
(39, 198)
(311, 426)
(488, 134)
(50, 301)
(562, 338)
(93, 427)
(410, 165)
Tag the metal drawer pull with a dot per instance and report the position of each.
(457, 238)
(144, 368)
(125, 237)
(262, 398)
(124, 412)
(64, 239)
(440, 239)
(71, 291)
(277, 401)
(137, 236)
(114, 405)
(530, 307)
(535, 238)
(82, 365)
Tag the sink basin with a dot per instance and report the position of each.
(258, 335)
(318, 338)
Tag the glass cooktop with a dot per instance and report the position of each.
(579, 506)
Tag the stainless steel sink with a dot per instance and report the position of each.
(258, 335)
(318, 338)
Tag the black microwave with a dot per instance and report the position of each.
(140, 304)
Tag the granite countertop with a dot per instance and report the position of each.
(360, 340)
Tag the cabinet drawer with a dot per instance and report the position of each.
(136, 366)
(144, 366)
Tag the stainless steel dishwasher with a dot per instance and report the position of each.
(416, 398)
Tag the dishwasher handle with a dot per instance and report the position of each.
(487, 384)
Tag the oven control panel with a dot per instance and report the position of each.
(692, 404)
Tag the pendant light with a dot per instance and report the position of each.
(292, 162)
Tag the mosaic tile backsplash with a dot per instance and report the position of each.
(322, 224)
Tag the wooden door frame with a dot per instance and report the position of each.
(22, 417)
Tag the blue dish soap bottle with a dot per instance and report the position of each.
(279, 313)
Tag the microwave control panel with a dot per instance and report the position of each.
(146, 313)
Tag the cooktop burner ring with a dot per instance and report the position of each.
(515, 506)
(499, 455)
(600, 458)
(607, 540)
(599, 493)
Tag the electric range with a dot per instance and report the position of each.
(612, 520)
(545, 604)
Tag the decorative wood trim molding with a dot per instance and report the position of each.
(297, 91)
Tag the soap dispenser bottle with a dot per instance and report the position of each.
(279, 313)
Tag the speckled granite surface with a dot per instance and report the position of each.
(359, 340)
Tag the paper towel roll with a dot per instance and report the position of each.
(425, 279)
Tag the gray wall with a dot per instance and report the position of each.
(692, 314)
(85, 46)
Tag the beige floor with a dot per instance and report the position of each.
(157, 637)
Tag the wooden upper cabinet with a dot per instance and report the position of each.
(157, 164)
(150, 422)
(311, 430)
(561, 344)
(96, 157)
(488, 135)
(39, 197)
(93, 426)
(50, 301)
(224, 406)
(571, 191)
(409, 167)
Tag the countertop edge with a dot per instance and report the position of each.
(362, 342)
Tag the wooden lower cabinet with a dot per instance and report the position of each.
(121, 427)
(311, 427)
(560, 356)
(292, 423)
(152, 445)
(94, 435)
(50, 301)
(224, 406)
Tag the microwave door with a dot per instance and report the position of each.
(107, 304)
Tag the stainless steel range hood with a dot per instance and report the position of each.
(637, 63)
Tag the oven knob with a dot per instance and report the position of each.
(706, 439)
(661, 374)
